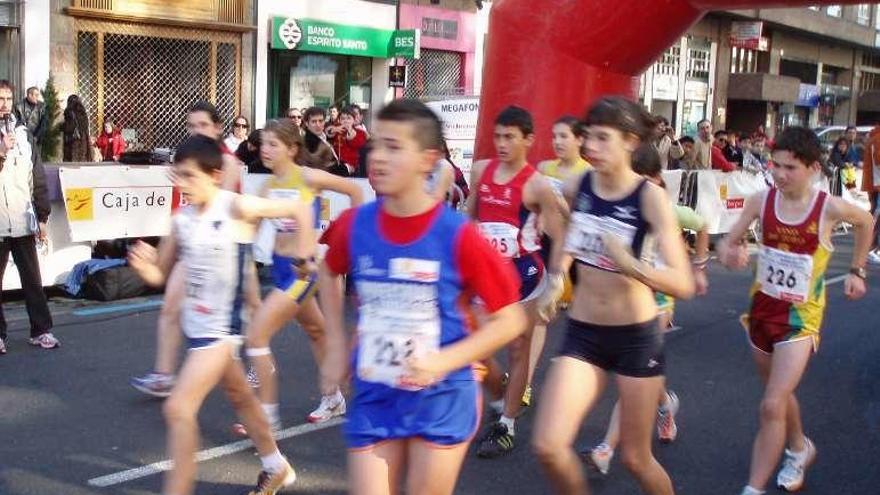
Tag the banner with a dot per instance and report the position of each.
(117, 201)
(459, 118)
(313, 35)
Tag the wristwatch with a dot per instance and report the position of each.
(859, 272)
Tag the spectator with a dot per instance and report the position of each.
(686, 160)
(248, 153)
(31, 112)
(333, 115)
(359, 119)
(239, 134)
(296, 116)
(110, 143)
(76, 131)
(707, 155)
(24, 210)
(732, 151)
(333, 126)
(349, 140)
(664, 142)
(871, 185)
(317, 152)
(854, 153)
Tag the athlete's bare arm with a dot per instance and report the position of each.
(500, 328)
(232, 168)
(675, 278)
(152, 265)
(838, 211)
(731, 249)
(323, 181)
(253, 209)
(540, 198)
(334, 369)
(476, 173)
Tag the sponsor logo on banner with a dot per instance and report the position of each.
(79, 204)
(736, 203)
(414, 270)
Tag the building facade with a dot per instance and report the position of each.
(747, 70)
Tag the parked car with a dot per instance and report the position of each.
(828, 135)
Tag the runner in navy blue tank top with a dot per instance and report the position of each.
(612, 320)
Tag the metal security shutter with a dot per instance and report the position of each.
(145, 77)
(436, 73)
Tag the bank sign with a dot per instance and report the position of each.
(310, 35)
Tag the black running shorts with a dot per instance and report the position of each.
(630, 350)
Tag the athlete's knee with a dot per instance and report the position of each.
(177, 409)
(773, 408)
(636, 459)
(547, 449)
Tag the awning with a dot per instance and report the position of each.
(763, 87)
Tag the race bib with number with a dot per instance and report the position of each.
(785, 276)
(503, 237)
(390, 332)
(284, 224)
(584, 239)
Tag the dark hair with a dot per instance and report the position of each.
(722, 132)
(255, 138)
(32, 88)
(659, 119)
(840, 140)
(702, 121)
(685, 140)
(646, 161)
(203, 150)
(850, 127)
(514, 116)
(286, 131)
(5, 84)
(577, 128)
(348, 110)
(801, 142)
(623, 115)
(207, 107)
(312, 111)
(241, 117)
(426, 126)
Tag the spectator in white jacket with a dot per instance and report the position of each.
(24, 210)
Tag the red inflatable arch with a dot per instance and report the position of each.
(554, 57)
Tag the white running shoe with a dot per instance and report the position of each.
(791, 476)
(874, 258)
(600, 458)
(667, 430)
(751, 491)
(330, 407)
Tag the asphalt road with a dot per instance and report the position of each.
(68, 416)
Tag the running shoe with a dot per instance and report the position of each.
(2, 347)
(495, 442)
(271, 483)
(155, 384)
(527, 397)
(667, 430)
(599, 458)
(751, 491)
(330, 407)
(46, 341)
(874, 258)
(791, 476)
(252, 378)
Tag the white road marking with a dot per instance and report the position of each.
(837, 279)
(206, 455)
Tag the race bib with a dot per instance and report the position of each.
(584, 239)
(503, 237)
(284, 224)
(388, 336)
(785, 276)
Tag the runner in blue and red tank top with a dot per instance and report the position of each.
(510, 195)
(416, 265)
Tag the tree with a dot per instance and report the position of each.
(52, 140)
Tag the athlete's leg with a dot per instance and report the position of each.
(252, 290)
(518, 356)
(201, 371)
(433, 469)
(569, 392)
(612, 435)
(274, 312)
(638, 411)
(311, 320)
(168, 332)
(539, 337)
(788, 363)
(494, 380)
(247, 407)
(794, 431)
(377, 470)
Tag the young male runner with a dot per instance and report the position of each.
(416, 265)
(210, 237)
(510, 196)
(788, 295)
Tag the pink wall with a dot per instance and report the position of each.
(411, 17)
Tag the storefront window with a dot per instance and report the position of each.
(834, 10)
(863, 14)
(9, 55)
